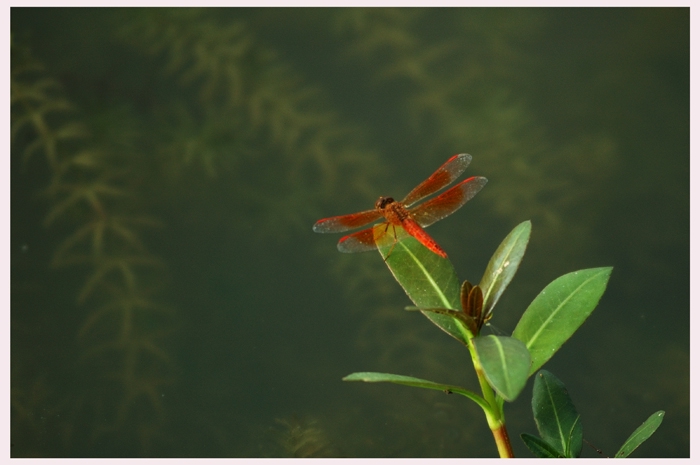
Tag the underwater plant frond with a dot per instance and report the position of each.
(303, 438)
(128, 303)
(123, 268)
(378, 29)
(197, 49)
(100, 236)
(39, 109)
(76, 195)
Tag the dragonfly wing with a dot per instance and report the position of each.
(448, 202)
(443, 177)
(361, 241)
(347, 222)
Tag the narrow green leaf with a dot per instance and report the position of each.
(503, 265)
(558, 311)
(506, 364)
(555, 415)
(429, 280)
(540, 448)
(373, 377)
(641, 434)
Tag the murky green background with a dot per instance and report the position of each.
(170, 299)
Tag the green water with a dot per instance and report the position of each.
(169, 299)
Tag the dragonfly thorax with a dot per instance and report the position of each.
(394, 212)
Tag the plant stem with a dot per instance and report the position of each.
(494, 415)
(500, 434)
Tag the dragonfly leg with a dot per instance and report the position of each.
(392, 245)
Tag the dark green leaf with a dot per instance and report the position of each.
(429, 280)
(372, 377)
(555, 415)
(558, 311)
(503, 265)
(539, 447)
(506, 364)
(641, 434)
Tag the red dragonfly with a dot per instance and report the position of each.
(411, 219)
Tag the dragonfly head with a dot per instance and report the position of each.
(382, 202)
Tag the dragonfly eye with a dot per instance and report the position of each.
(382, 202)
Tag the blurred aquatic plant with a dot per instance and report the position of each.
(251, 117)
(303, 438)
(90, 196)
(38, 109)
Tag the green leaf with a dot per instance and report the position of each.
(429, 280)
(558, 311)
(540, 448)
(555, 415)
(503, 265)
(641, 434)
(373, 377)
(506, 364)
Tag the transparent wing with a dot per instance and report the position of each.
(361, 241)
(443, 177)
(448, 202)
(347, 222)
